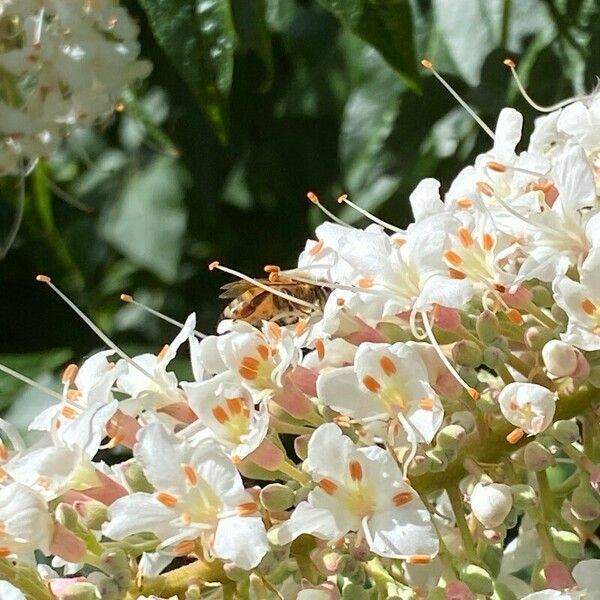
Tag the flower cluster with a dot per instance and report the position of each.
(63, 65)
(420, 420)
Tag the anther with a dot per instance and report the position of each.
(484, 188)
(315, 200)
(126, 298)
(371, 383)
(43, 278)
(190, 475)
(213, 265)
(453, 258)
(515, 435)
(465, 237)
(245, 509)
(356, 471)
(388, 366)
(402, 498)
(320, 348)
(496, 166)
(70, 373)
(272, 269)
(514, 316)
(167, 499)
(328, 486)
(588, 307)
(419, 559)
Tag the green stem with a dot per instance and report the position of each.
(291, 470)
(542, 317)
(505, 23)
(458, 508)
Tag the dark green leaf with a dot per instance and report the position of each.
(387, 26)
(199, 38)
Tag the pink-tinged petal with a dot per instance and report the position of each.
(67, 545)
(267, 455)
(180, 411)
(243, 540)
(559, 577)
(108, 492)
(304, 379)
(60, 586)
(293, 400)
(125, 427)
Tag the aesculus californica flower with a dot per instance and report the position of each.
(383, 433)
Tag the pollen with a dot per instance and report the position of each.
(496, 166)
(487, 241)
(388, 366)
(484, 188)
(371, 383)
(317, 248)
(163, 352)
(274, 330)
(356, 471)
(246, 509)
(235, 405)
(426, 404)
(220, 415)
(455, 274)
(514, 316)
(427, 63)
(402, 498)
(465, 237)
(320, 348)
(453, 258)
(43, 278)
(328, 486)
(70, 373)
(263, 351)
(588, 307)
(464, 203)
(419, 559)
(313, 197)
(515, 435)
(365, 282)
(301, 327)
(167, 499)
(190, 475)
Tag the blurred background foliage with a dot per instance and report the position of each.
(251, 104)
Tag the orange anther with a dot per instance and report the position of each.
(245, 509)
(263, 351)
(488, 241)
(473, 393)
(3, 452)
(250, 362)
(4, 552)
(320, 348)
(496, 166)
(402, 498)
(328, 486)
(399, 242)
(68, 412)
(190, 475)
(167, 499)
(163, 352)
(455, 274)
(588, 307)
(514, 316)
(465, 237)
(313, 197)
(371, 383)
(427, 63)
(365, 282)
(426, 403)
(213, 265)
(272, 269)
(184, 548)
(70, 373)
(340, 302)
(43, 278)
(453, 258)
(300, 327)
(235, 405)
(356, 471)
(388, 366)
(515, 435)
(419, 559)
(220, 415)
(464, 203)
(126, 298)
(484, 188)
(274, 330)
(318, 246)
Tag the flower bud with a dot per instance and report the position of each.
(491, 503)
(419, 465)
(501, 342)
(66, 515)
(487, 326)
(276, 497)
(478, 580)
(520, 298)
(492, 357)
(353, 591)
(438, 458)
(541, 296)
(80, 591)
(301, 446)
(566, 432)
(469, 376)
(493, 553)
(456, 590)
(465, 419)
(537, 337)
(558, 576)
(559, 315)
(107, 588)
(503, 592)
(585, 504)
(566, 543)
(524, 496)
(136, 479)
(537, 457)
(466, 353)
(560, 358)
(451, 437)
(91, 513)
(114, 562)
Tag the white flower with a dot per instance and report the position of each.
(560, 358)
(581, 301)
(491, 503)
(586, 575)
(199, 495)
(385, 382)
(528, 406)
(361, 490)
(10, 592)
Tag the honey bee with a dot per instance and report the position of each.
(253, 304)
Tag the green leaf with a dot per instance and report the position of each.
(199, 38)
(253, 34)
(387, 26)
(370, 167)
(33, 365)
(147, 223)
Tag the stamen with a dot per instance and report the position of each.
(328, 486)
(419, 559)
(515, 435)
(315, 200)
(464, 204)
(402, 498)
(220, 415)
(300, 327)
(320, 348)
(388, 366)
(465, 237)
(426, 404)
(365, 282)
(263, 351)
(501, 168)
(356, 472)
(344, 199)
(316, 248)
(235, 405)
(167, 499)
(274, 330)
(30, 382)
(245, 509)
(471, 391)
(514, 316)
(371, 383)
(45, 279)
(130, 300)
(484, 188)
(190, 475)
(455, 274)
(453, 258)
(487, 241)
(215, 265)
(429, 65)
(546, 109)
(588, 307)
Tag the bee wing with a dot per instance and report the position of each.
(235, 289)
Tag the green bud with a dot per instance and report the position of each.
(301, 446)
(585, 504)
(451, 437)
(437, 593)
(503, 592)
(393, 333)
(91, 513)
(347, 566)
(542, 296)
(468, 375)
(276, 497)
(492, 556)
(80, 591)
(493, 356)
(300, 495)
(466, 353)
(465, 419)
(524, 496)
(566, 543)
(501, 342)
(353, 591)
(487, 326)
(537, 457)
(478, 580)
(107, 588)
(565, 432)
(558, 314)
(511, 519)
(439, 460)
(67, 516)
(420, 465)
(136, 479)
(114, 562)
(537, 337)
(235, 573)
